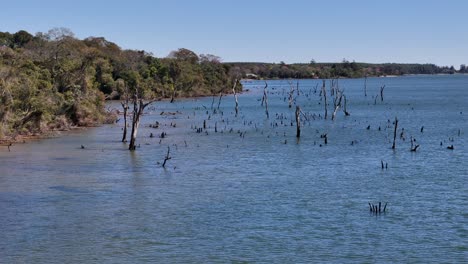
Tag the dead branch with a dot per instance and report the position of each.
(167, 157)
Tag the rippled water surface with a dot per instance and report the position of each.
(250, 192)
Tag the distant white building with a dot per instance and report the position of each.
(251, 76)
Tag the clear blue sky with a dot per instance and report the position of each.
(268, 31)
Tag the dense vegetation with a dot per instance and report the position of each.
(52, 81)
(344, 69)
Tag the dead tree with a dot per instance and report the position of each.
(377, 209)
(291, 93)
(212, 102)
(414, 146)
(298, 121)
(235, 97)
(324, 93)
(365, 86)
(167, 157)
(395, 132)
(381, 92)
(297, 88)
(125, 110)
(344, 106)
(337, 102)
(219, 101)
(125, 107)
(138, 108)
(265, 99)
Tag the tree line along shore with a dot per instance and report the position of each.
(54, 81)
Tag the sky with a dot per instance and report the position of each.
(294, 31)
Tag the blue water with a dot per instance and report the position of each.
(251, 192)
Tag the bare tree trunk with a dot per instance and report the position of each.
(265, 99)
(365, 86)
(298, 122)
(395, 132)
(219, 101)
(138, 107)
(381, 92)
(291, 94)
(125, 110)
(337, 102)
(212, 102)
(324, 93)
(235, 97)
(167, 157)
(297, 88)
(344, 107)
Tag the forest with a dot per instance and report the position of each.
(54, 81)
(345, 69)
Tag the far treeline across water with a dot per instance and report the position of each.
(54, 81)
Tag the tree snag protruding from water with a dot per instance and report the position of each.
(395, 132)
(235, 97)
(414, 146)
(138, 108)
(265, 99)
(298, 121)
(125, 107)
(291, 94)
(381, 92)
(219, 101)
(365, 85)
(337, 102)
(345, 109)
(377, 208)
(324, 93)
(167, 157)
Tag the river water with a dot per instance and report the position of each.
(251, 192)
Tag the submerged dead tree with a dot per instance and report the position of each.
(414, 146)
(125, 107)
(265, 99)
(167, 157)
(365, 86)
(220, 96)
(235, 97)
(324, 93)
(395, 132)
(138, 108)
(298, 121)
(337, 102)
(291, 94)
(381, 92)
(344, 106)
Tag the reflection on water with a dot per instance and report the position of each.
(257, 197)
